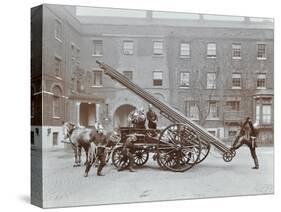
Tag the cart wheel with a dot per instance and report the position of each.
(228, 156)
(118, 159)
(205, 149)
(140, 157)
(178, 148)
(233, 152)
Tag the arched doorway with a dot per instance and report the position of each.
(88, 114)
(120, 118)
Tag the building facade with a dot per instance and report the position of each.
(215, 71)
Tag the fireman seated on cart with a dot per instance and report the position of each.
(128, 150)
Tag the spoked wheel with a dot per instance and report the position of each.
(205, 149)
(228, 156)
(178, 148)
(118, 159)
(140, 157)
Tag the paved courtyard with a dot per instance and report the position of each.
(65, 185)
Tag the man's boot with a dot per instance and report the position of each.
(256, 164)
(99, 171)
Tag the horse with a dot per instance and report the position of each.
(79, 137)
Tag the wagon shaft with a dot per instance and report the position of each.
(168, 111)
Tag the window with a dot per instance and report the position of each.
(57, 66)
(56, 102)
(72, 51)
(266, 114)
(192, 110)
(32, 137)
(78, 55)
(232, 105)
(158, 47)
(261, 81)
(55, 138)
(211, 80)
(184, 50)
(213, 110)
(263, 114)
(184, 79)
(211, 50)
(97, 48)
(97, 78)
(261, 52)
(58, 30)
(236, 81)
(157, 78)
(236, 51)
(128, 47)
(128, 74)
(213, 132)
(232, 133)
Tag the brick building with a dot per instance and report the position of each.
(215, 69)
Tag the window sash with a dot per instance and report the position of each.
(261, 52)
(213, 110)
(211, 80)
(261, 80)
(97, 78)
(184, 79)
(56, 106)
(158, 47)
(211, 50)
(233, 105)
(128, 74)
(128, 47)
(236, 80)
(57, 66)
(185, 49)
(236, 50)
(58, 30)
(98, 47)
(266, 114)
(192, 110)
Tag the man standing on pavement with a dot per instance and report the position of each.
(151, 117)
(127, 153)
(98, 152)
(250, 142)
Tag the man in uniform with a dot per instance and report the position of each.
(98, 151)
(151, 117)
(250, 142)
(127, 153)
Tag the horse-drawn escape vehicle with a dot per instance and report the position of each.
(178, 147)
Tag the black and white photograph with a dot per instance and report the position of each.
(133, 106)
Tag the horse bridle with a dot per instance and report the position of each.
(69, 133)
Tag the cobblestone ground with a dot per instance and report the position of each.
(65, 185)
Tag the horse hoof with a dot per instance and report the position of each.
(85, 163)
(76, 165)
(86, 175)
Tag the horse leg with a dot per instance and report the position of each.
(75, 155)
(89, 164)
(87, 153)
(79, 155)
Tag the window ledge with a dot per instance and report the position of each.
(96, 86)
(261, 88)
(236, 88)
(56, 117)
(261, 58)
(211, 57)
(213, 119)
(184, 57)
(59, 78)
(158, 55)
(97, 55)
(236, 58)
(59, 40)
(184, 87)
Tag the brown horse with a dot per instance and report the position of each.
(79, 137)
